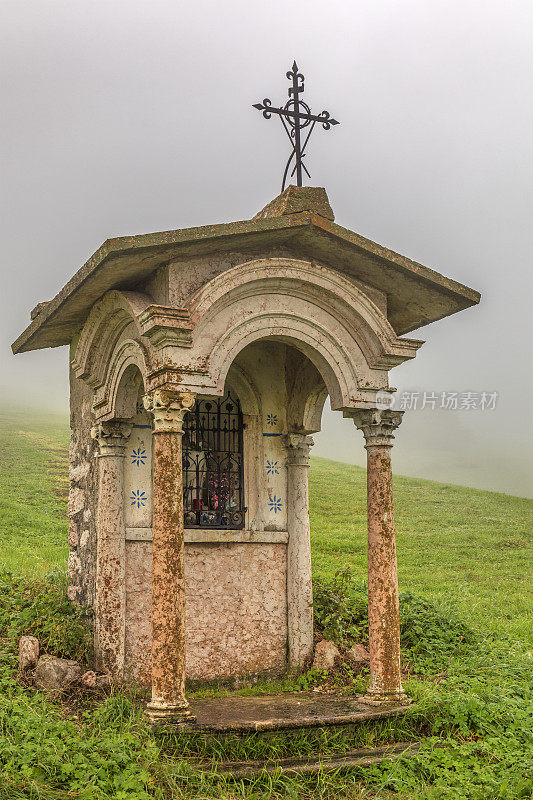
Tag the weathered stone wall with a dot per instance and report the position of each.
(81, 503)
(236, 581)
(235, 605)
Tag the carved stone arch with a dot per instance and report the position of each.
(106, 323)
(322, 288)
(320, 312)
(246, 390)
(313, 408)
(109, 402)
(337, 368)
(307, 394)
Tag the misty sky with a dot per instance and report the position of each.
(127, 117)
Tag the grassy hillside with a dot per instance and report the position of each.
(471, 546)
(33, 491)
(468, 550)
(455, 543)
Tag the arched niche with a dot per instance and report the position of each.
(126, 396)
(304, 387)
(113, 398)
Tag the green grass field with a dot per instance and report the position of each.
(455, 543)
(33, 491)
(468, 550)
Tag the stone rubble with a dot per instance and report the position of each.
(53, 674)
(91, 680)
(88, 679)
(358, 653)
(326, 655)
(28, 652)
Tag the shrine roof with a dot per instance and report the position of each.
(300, 219)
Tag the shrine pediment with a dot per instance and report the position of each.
(299, 221)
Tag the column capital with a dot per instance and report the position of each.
(111, 436)
(298, 446)
(168, 408)
(377, 425)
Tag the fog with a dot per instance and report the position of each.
(129, 117)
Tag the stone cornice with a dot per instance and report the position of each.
(164, 325)
(168, 408)
(416, 294)
(377, 425)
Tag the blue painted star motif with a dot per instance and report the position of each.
(138, 498)
(138, 457)
(274, 504)
(272, 467)
(272, 419)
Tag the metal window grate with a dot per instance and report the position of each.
(213, 493)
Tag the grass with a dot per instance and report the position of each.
(33, 491)
(467, 629)
(471, 546)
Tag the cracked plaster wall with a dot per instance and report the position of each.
(235, 606)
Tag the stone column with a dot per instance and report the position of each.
(299, 583)
(383, 607)
(110, 596)
(168, 703)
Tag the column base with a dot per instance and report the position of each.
(396, 698)
(162, 715)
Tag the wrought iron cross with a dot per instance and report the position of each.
(298, 115)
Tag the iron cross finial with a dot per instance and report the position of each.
(296, 116)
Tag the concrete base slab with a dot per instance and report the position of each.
(283, 711)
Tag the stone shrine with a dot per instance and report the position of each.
(200, 361)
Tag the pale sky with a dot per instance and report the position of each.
(128, 117)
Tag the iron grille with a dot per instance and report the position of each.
(213, 493)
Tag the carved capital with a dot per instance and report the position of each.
(111, 436)
(168, 409)
(298, 447)
(377, 425)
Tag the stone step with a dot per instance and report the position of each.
(291, 710)
(311, 764)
